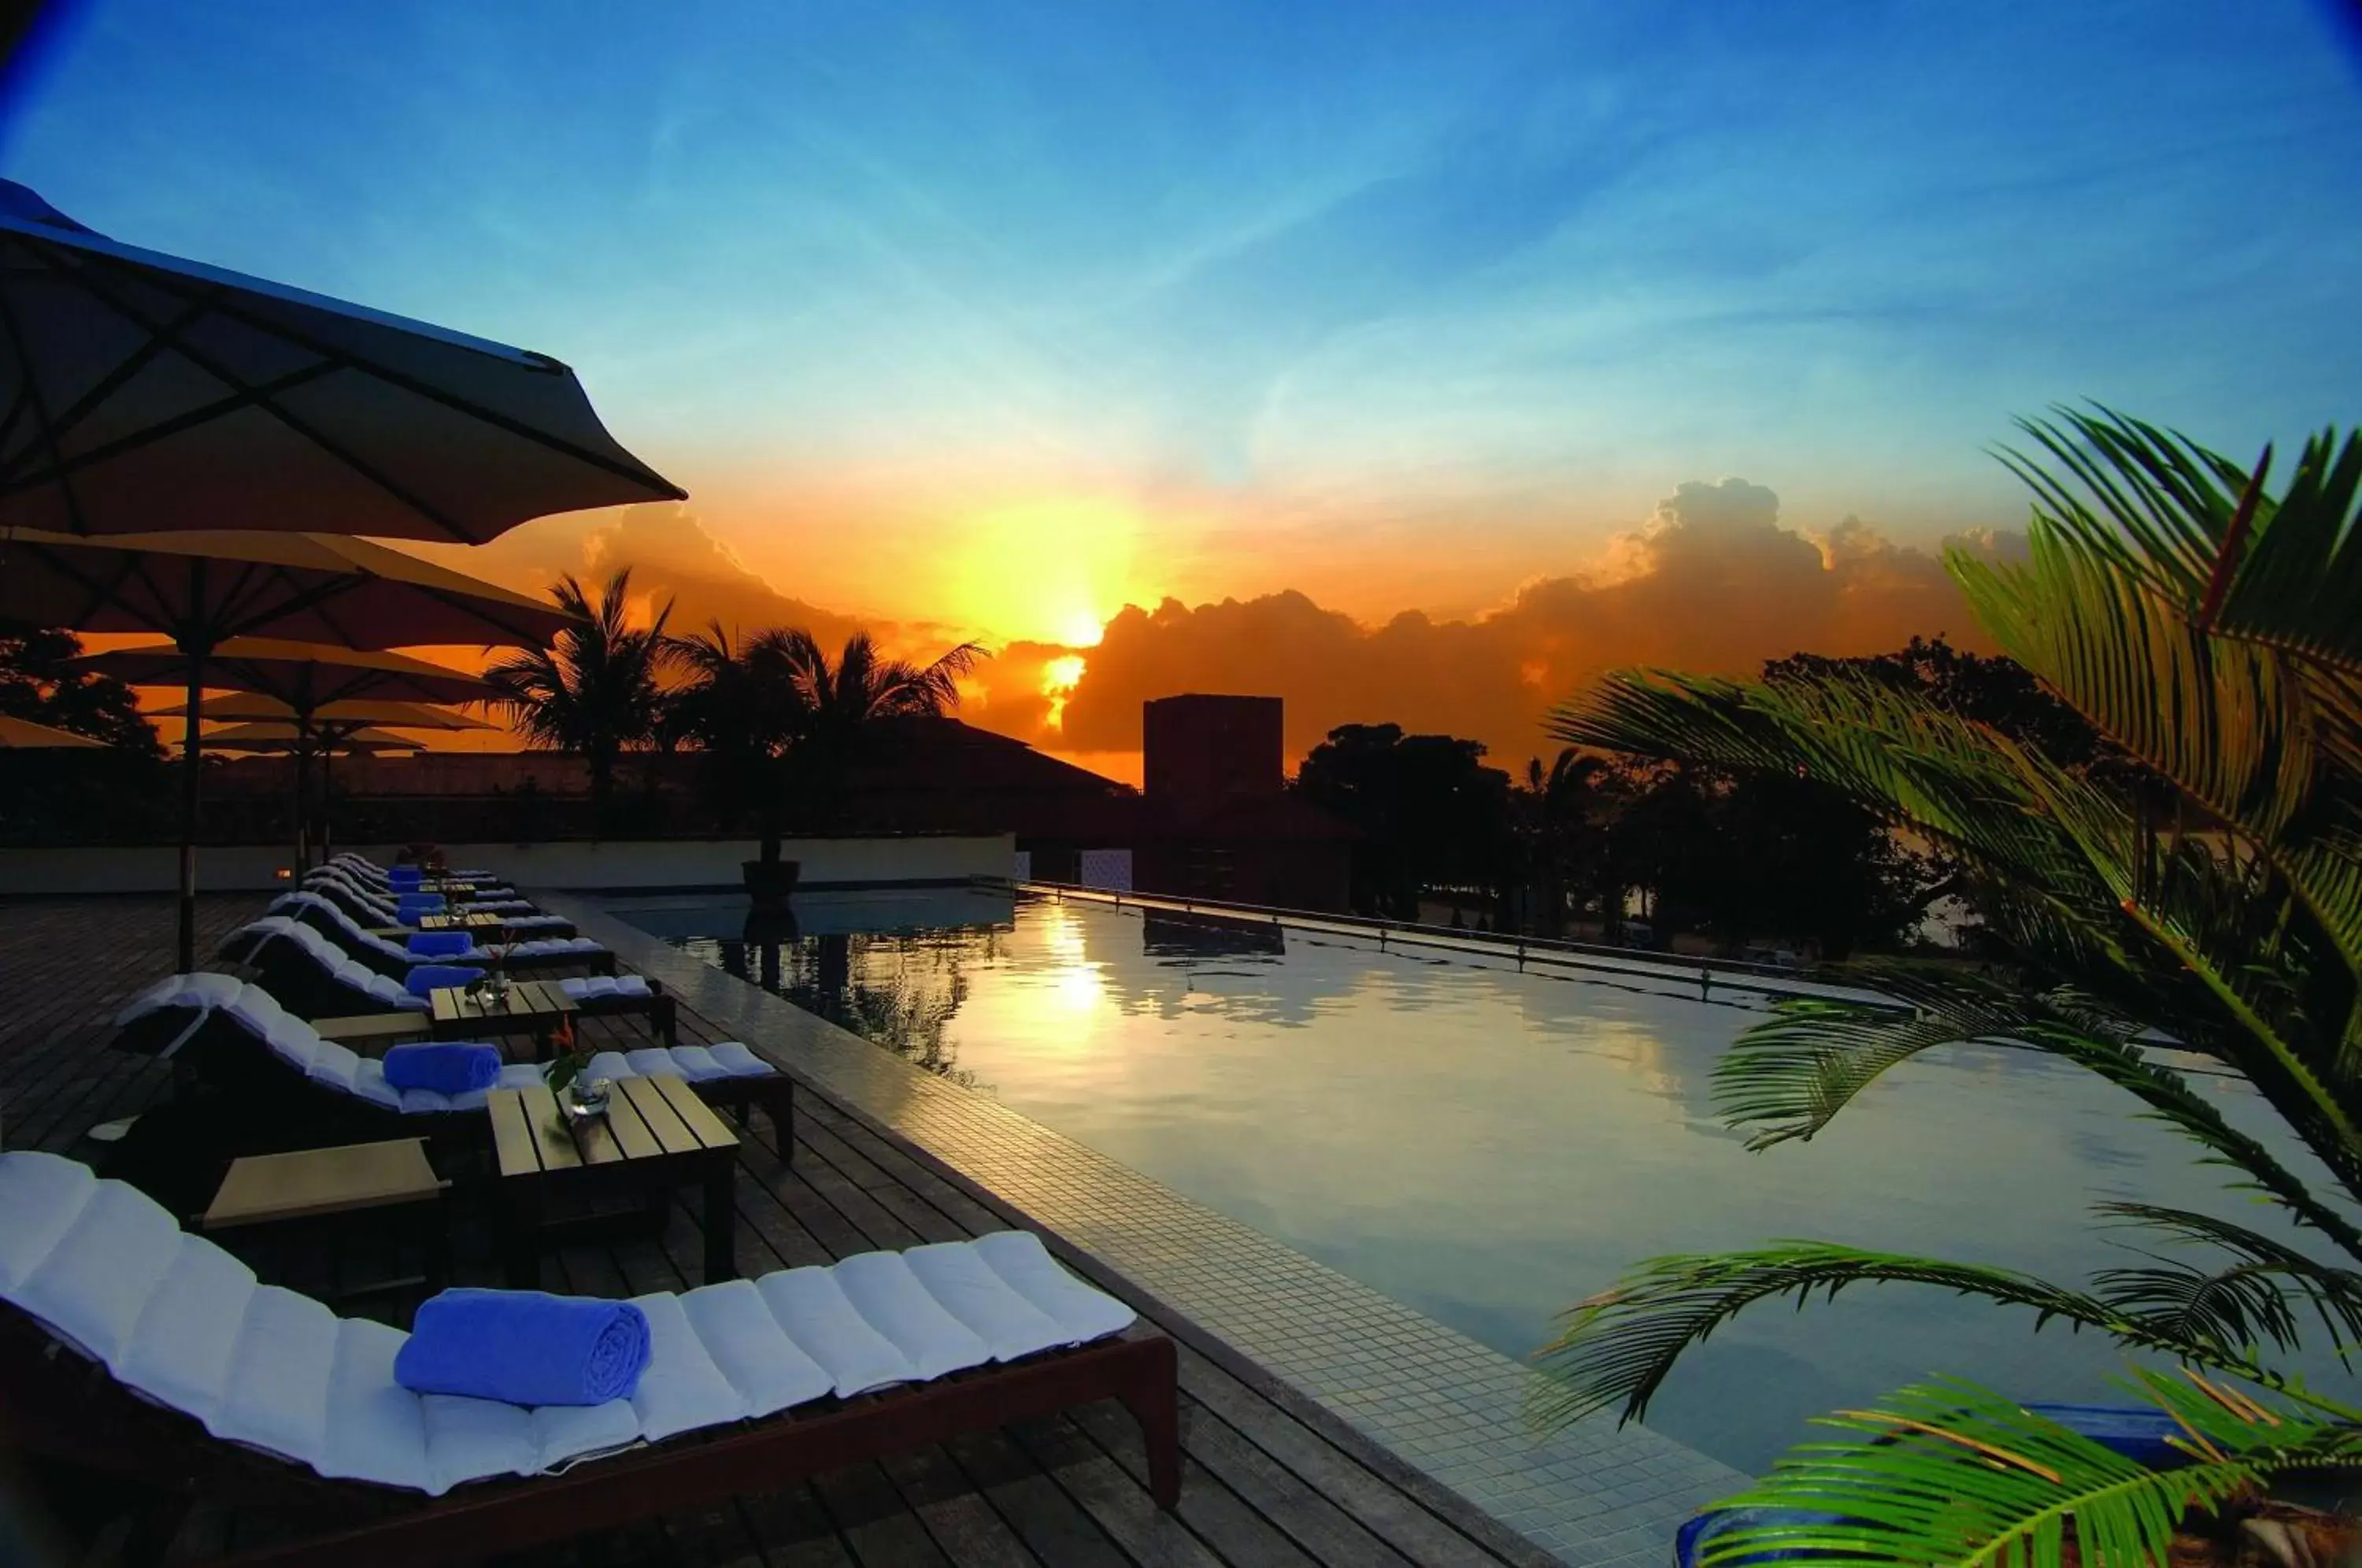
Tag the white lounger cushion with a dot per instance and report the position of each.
(971, 1291)
(811, 1306)
(338, 1068)
(335, 961)
(769, 1370)
(598, 987)
(173, 1316)
(885, 1292)
(1018, 1257)
(542, 946)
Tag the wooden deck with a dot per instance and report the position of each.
(1269, 1478)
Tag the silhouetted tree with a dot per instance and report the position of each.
(74, 795)
(1431, 812)
(597, 690)
(1563, 835)
(39, 682)
(742, 707)
(837, 698)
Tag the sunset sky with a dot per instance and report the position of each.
(1411, 361)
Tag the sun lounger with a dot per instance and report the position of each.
(380, 906)
(318, 978)
(363, 864)
(372, 913)
(237, 1033)
(371, 875)
(133, 1349)
(394, 959)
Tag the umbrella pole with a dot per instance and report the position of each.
(191, 747)
(302, 824)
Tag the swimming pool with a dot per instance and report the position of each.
(1488, 1145)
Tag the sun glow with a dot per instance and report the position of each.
(1059, 678)
(1043, 570)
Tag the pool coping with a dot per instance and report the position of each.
(1443, 1405)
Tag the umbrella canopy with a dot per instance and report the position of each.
(308, 684)
(202, 589)
(362, 711)
(149, 392)
(17, 733)
(303, 676)
(272, 737)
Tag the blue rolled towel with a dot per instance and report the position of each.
(439, 944)
(444, 1067)
(403, 876)
(411, 904)
(525, 1347)
(425, 979)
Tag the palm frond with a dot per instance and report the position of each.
(2217, 933)
(2167, 506)
(1787, 1078)
(2233, 724)
(1949, 1472)
(2230, 1305)
(1617, 1348)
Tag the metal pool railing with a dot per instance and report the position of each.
(1708, 975)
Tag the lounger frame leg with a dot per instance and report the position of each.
(721, 1215)
(1155, 1400)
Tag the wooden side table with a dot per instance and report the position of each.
(310, 1184)
(375, 1028)
(473, 921)
(655, 1135)
(530, 1006)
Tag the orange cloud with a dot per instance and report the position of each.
(1711, 581)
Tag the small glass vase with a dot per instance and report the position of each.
(588, 1096)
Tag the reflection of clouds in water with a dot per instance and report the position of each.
(1489, 1145)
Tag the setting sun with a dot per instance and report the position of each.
(1044, 571)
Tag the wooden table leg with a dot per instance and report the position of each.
(721, 1215)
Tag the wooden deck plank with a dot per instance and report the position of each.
(962, 1520)
(870, 1515)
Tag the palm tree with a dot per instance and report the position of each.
(839, 698)
(597, 690)
(2214, 630)
(1560, 802)
(742, 707)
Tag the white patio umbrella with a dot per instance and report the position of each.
(203, 589)
(24, 733)
(316, 730)
(139, 391)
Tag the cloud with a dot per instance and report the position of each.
(1711, 581)
(673, 556)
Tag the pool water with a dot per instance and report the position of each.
(1489, 1145)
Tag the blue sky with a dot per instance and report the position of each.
(1416, 300)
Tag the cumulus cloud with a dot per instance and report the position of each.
(673, 556)
(1711, 581)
